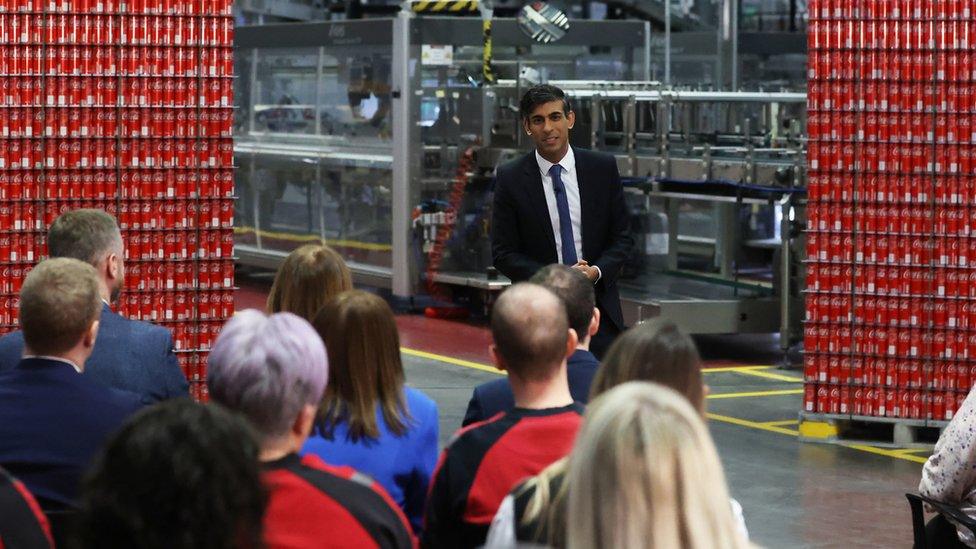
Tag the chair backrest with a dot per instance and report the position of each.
(62, 525)
(946, 510)
(918, 521)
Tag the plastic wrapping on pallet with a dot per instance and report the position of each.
(891, 304)
(124, 105)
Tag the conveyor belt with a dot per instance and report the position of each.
(697, 306)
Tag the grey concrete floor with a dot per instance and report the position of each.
(793, 494)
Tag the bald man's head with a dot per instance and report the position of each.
(530, 329)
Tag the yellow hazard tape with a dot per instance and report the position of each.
(440, 6)
(338, 243)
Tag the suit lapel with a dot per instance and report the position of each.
(537, 198)
(586, 189)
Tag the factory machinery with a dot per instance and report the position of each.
(381, 137)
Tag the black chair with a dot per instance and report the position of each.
(916, 502)
(62, 525)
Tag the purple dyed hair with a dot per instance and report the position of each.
(267, 368)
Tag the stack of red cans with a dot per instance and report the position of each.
(891, 272)
(124, 105)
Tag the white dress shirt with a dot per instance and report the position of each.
(568, 177)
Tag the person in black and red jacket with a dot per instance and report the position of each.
(532, 340)
(22, 524)
(273, 370)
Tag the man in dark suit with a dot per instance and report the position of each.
(577, 296)
(559, 204)
(53, 419)
(130, 355)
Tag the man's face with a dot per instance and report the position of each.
(549, 127)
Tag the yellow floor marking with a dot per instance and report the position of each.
(783, 423)
(898, 454)
(757, 394)
(753, 424)
(770, 375)
(372, 246)
(757, 371)
(771, 426)
(914, 450)
(739, 369)
(451, 360)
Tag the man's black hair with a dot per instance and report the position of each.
(178, 475)
(575, 291)
(540, 95)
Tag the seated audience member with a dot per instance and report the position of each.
(644, 473)
(369, 420)
(273, 371)
(532, 340)
(179, 475)
(52, 418)
(130, 355)
(949, 476)
(308, 277)
(22, 524)
(654, 351)
(576, 293)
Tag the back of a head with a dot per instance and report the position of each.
(179, 475)
(574, 289)
(308, 277)
(267, 368)
(530, 330)
(645, 473)
(59, 301)
(86, 235)
(360, 333)
(656, 351)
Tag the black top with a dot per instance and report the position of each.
(311, 502)
(482, 464)
(21, 520)
(538, 530)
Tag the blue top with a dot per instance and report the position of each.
(402, 465)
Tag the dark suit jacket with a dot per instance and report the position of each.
(521, 231)
(129, 355)
(496, 396)
(52, 422)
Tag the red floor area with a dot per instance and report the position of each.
(443, 337)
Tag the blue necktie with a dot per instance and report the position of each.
(565, 222)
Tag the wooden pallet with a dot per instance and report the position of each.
(875, 431)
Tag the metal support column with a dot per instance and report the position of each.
(403, 277)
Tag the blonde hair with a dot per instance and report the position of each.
(645, 473)
(655, 351)
(308, 277)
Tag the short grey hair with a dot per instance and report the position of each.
(268, 368)
(86, 235)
